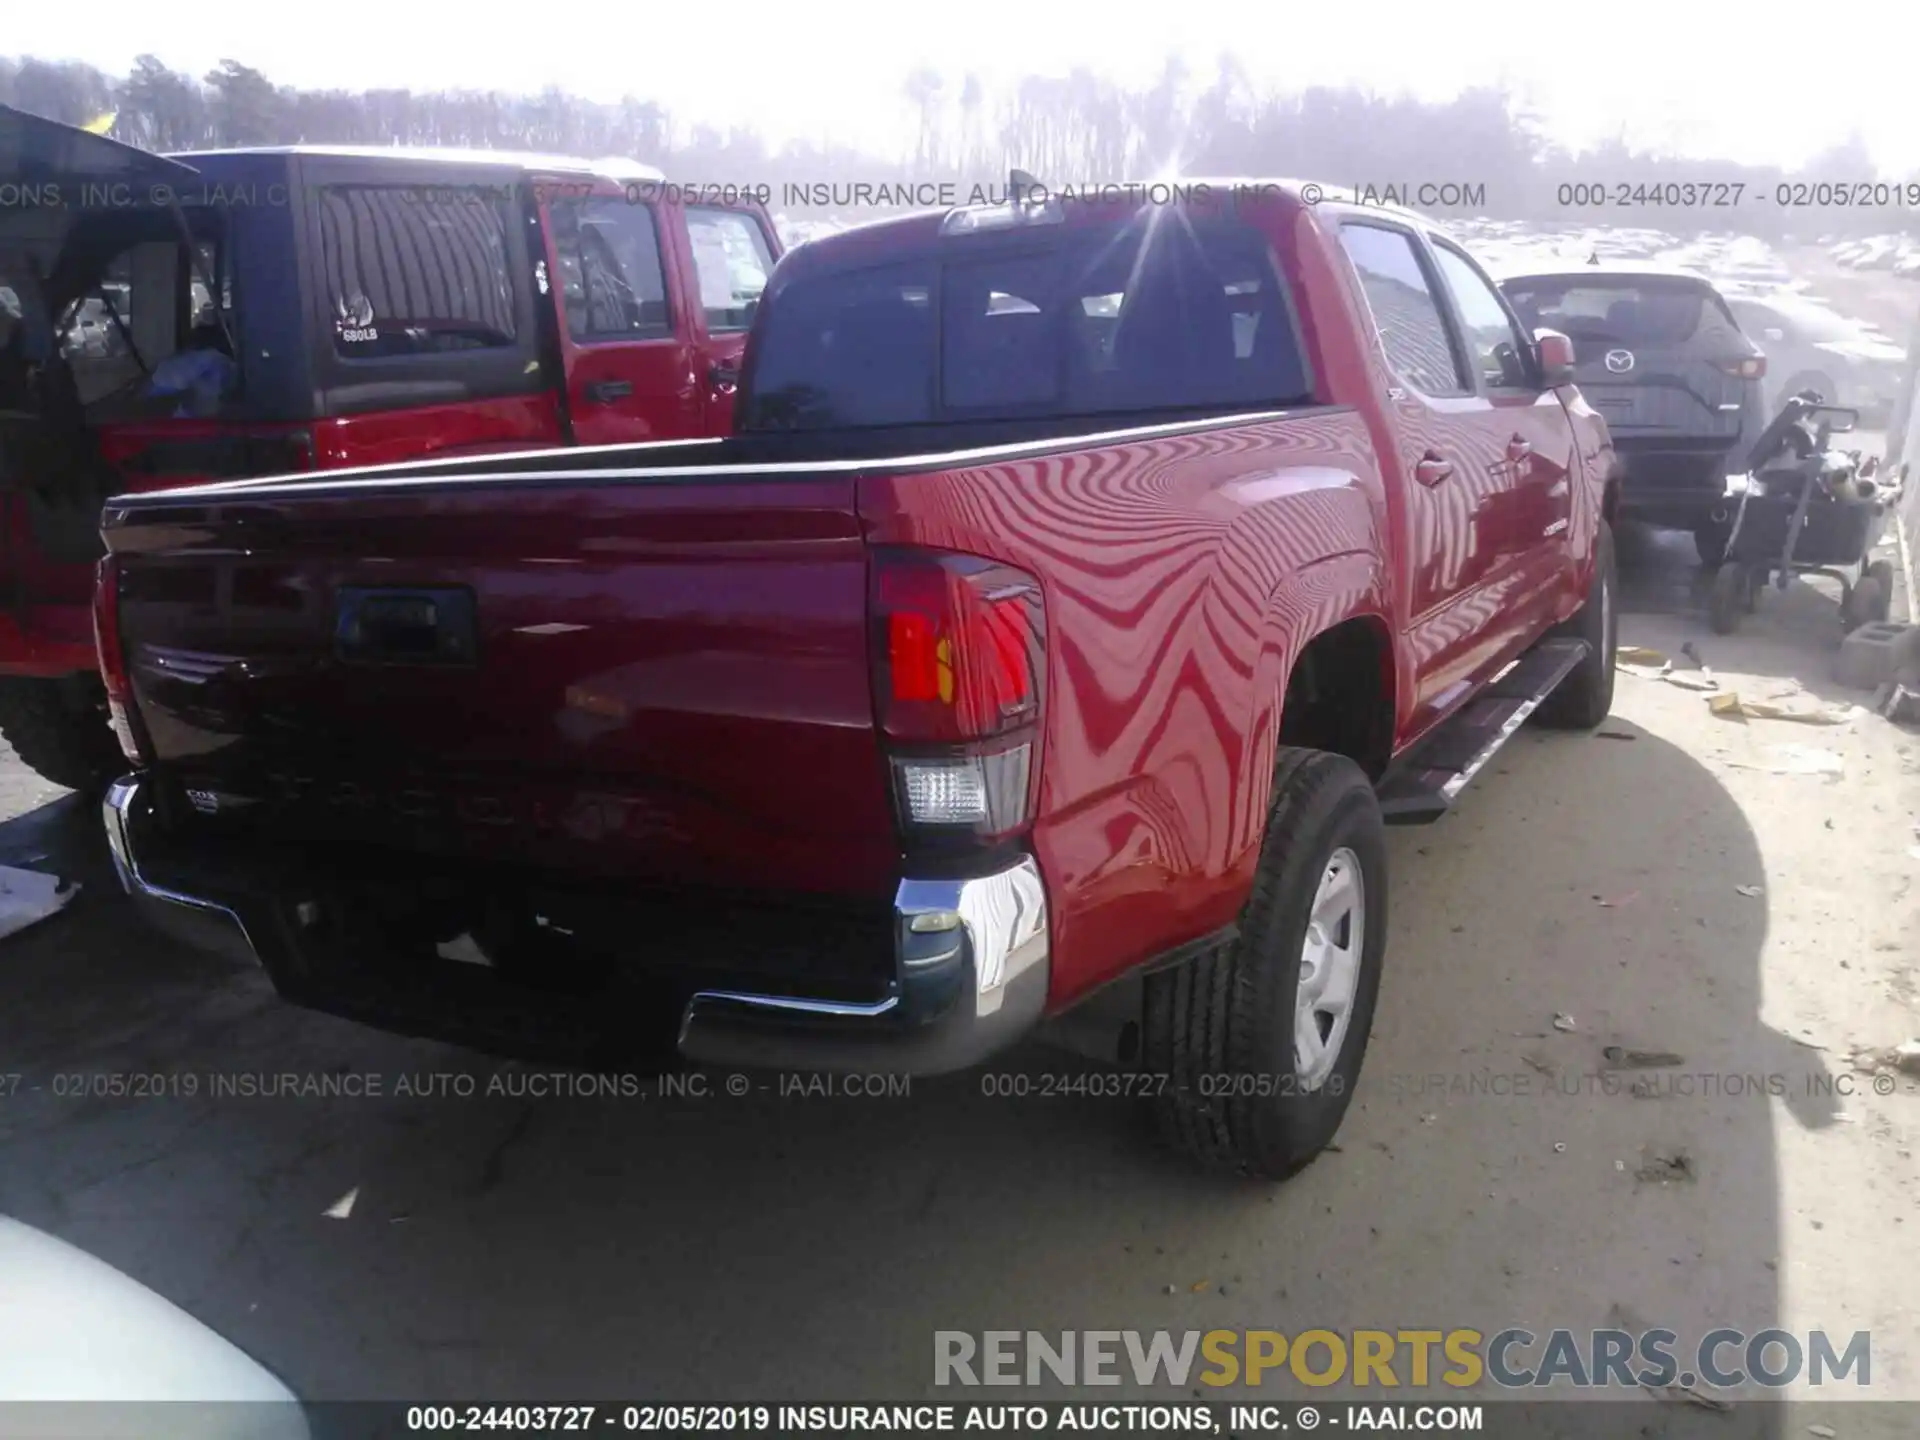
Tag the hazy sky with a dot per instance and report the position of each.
(1695, 77)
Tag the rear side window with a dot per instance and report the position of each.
(853, 349)
(409, 272)
(1073, 322)
(612, 284)
(1405, 312)
(1626, 311)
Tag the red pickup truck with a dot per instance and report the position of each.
(167, 319)
(1084, 586)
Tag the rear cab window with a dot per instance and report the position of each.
(1657, 311)
(1064, 321)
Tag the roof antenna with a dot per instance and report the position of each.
(1593, 257)
(1021, 186)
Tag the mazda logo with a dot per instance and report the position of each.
(1619, 361)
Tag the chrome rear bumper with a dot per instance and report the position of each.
(970, 974)
(971, 961)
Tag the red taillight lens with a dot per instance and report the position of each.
(959, 664)
(113, 665)
(914, 659)
(963, 646)
(1747, 367)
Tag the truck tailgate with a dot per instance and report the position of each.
(659, 680)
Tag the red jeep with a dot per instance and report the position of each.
(198, 317)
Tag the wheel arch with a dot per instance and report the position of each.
(1340, 693)
(1322, 619)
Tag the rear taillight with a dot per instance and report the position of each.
(959, 663)
(113, 665)
(1746, 367)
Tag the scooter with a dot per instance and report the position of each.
(1804, 508)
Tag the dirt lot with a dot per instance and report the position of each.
(1663, 885)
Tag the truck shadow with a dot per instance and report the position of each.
(519, 1233)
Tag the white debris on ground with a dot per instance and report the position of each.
(29, 895)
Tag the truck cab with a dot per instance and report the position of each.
(178, 319)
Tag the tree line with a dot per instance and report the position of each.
(1080, 130)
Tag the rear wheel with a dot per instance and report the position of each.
(59, 730)
(1259, 1042)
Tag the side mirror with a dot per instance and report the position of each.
(1554, 351)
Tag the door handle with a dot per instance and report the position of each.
(1433, 468)
(1519, 448)
(599, 392)
(723, 375)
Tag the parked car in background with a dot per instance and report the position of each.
(309, 308)
(1084, 587)
(1810, 346)
(1661, 357)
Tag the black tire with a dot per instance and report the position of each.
(1710, 541)
(59, 730)
(1220, 1028)
(1729, 599)
(1584, 698)
(1881, 573)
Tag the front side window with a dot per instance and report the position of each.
(732, 260)
(408, 272)
(612, 283)
(1499, 350)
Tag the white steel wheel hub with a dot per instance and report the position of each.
(1329, 969)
